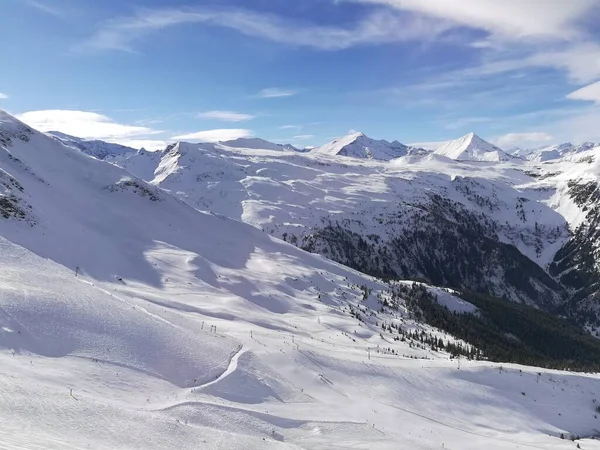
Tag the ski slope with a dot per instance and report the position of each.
(130, 320)
(128, 367)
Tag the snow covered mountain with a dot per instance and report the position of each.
(97, 149)
(471, 147)
(519, 152)
(477, 224)
(129, 319)
(125, 308)
(357, 145)
(566, 151)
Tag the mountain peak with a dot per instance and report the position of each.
(359, 145)
(471, 147)
(357, 134)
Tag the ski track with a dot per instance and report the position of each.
(134, 306)
(232, 367)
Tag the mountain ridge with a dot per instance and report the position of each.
(381, 217)
(471, 147)
(94, 147)
(358, 145)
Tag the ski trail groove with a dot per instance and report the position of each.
(232, 367)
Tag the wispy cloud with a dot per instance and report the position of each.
(575, 125)
(226, 116)
(455, 124)
(587, 93)
(148, 144)
(227, 134)
(291, 127)
(84, 124)
(571, 59)
(511, 20)
(44, 6)
(145, 122)
(303, 137)
(434, 145)
(513, 54)
(580, 126)
(275, 92)
(528, 140)
(3, 96)
(574, 59)
(378, 27)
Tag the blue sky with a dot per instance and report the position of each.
(148, 72)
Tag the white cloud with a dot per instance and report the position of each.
(581, 61)
(579, 127)
(506, 19)
(226, 116)
(428, 145)
(505, 80)
(303, 137)
(291, 127)
(377, 27)
(84, 124)
(528, 140)
(588, 93)
(276, 93)
(3, 96)
(44, 7)
(464, 122)
(575, 125)
(227, 134)
(148, 144)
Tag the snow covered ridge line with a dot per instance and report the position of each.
(357, 145)
(563, 151)
(469, 147)
(96, 148)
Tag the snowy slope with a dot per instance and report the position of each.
(566, 150)
(471, 147)
(520, 152)
(544, 155)
(130, 320)
(357, 145)
(143, 163)
(97, 149)
(305, 198)
(124, 368)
